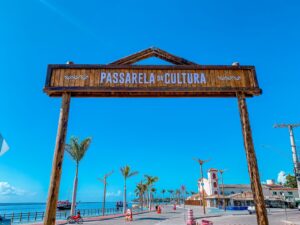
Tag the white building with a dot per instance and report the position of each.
(241, 194)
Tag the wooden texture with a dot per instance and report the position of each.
(152, 52)
(57, 161)
(258, 196)
(151, 81)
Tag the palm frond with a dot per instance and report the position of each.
(77, 149)
(126, 172)
(132, 174)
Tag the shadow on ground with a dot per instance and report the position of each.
(150, 218)
(172, 213)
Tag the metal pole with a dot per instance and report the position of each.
(202, 184)
(294, 150)
(224, 201)
(104, 181)
(295, 158)
(104, 195)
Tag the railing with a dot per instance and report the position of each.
(27, 217)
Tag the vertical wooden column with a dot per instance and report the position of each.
(256, 187)
(50, 215)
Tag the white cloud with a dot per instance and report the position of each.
(114, 194)
(7, 190)
(281, 177)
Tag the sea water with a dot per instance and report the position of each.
(9, 208)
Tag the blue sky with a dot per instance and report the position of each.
(154, 136)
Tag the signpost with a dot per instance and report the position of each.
(151, 81)
(123, 79)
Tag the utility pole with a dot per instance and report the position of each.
(224, 201)
(104, 181)
(294, 151)
(201, 162)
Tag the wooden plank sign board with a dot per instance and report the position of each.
(151, 81)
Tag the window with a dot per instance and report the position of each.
(290, 193)
(214, 176)
(215, 184)
(232, 192)
(274, 193)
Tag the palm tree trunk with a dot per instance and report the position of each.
(73, 206)
(141, 201)
(149, 200)
(104, 198)
(124, 202)
(145, 199)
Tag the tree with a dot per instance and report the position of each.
(177, 193)
(183, 190)
(77, 150)
(291, 181)
(153, 192)
(150, 180)
(171, 193)
(140, 191)
(126, 173)
(163, 191)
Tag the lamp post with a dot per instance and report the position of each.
(224, 201)
(201, 162)
(283, 197)
(294, 150)
(104, 181)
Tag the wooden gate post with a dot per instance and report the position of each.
(256, 187)
(50, 215)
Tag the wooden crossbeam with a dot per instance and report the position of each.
(152, 52)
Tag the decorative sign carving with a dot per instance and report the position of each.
(151, 81)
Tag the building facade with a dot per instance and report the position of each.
(240, 194)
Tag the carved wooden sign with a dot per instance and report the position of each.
(151, 81)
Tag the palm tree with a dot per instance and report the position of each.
(183, 190)
(150, 180)
(171, 193)
(77, 150)
(153, 191)
(163, 191)
(140, 191)
(177, 193)
(126, 173)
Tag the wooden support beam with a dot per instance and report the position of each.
(256, 187)
(50, 215)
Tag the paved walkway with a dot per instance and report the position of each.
(179, 217)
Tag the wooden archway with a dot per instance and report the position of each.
(183, 79)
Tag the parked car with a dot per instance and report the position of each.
(299, 207)
(251, 209)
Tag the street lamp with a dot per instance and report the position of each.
(201, 162)
(284, 205)
(104, 181)
(294, 150)
(224, 201)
